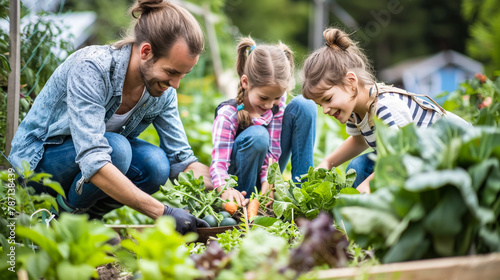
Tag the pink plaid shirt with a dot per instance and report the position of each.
(223, 134)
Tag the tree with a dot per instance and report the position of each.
(484, 41)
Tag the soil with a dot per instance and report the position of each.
(110, 272)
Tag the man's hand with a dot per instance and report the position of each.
(184, 221)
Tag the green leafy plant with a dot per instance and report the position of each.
(160, 252)
(477, 101)
(442, 198)
(190, 192)
(72, 245)
(39, 40)
(317, 194)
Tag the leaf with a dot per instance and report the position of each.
(54, 185)
(437, 179)
(37, 264)
(369, 221)
(350, 177)
(446, 217)
(444, 244)
(349, 190)
(283, 209)
(410, 240)
(381, 200)
(5, 63)
(77, 271)
(150, 270)
(264, 221)
(50, 246)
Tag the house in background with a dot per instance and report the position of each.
(432, 75)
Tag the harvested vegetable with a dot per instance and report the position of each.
(253, 208)
(211, 220)
(228, 222)
(231, 207)
(225, 214)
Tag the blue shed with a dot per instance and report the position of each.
(432, 75)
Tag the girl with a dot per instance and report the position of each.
(339, 78)
(257, 127)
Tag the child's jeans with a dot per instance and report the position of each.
(297, 138)
(144, 164)
(363, 167)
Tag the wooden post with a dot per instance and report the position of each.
(14, 75)
(319, 22)
(214, 46)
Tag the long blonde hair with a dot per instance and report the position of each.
(161, 24)
(328, 66)
(264, 65)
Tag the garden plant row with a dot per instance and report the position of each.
(436, 193)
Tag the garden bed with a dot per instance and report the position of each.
(484, 267)
(203, 233)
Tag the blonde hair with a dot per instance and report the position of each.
(161, 24)
(328, 66)
(264, 65)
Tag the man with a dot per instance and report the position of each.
(84, 124)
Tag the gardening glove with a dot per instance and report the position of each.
(184, 222)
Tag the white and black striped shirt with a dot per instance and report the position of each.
(396, 110)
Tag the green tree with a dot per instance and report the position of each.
(484, 41)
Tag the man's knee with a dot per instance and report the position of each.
(121, 156)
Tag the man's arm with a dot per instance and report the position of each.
(111, 181)
(199, 169)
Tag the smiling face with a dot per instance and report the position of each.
(259, 100)
(166, 71)
(337, 102)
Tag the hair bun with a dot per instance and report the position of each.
(337, 39)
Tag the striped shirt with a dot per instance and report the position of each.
(223, 135)
(396, 110)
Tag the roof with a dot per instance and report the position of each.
(425, 66)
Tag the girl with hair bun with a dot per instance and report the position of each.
(339, 78)
(257, 127)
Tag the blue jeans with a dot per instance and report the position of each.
(144, 164)
(297, 139)
(363, 166)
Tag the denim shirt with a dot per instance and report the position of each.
(80, 97)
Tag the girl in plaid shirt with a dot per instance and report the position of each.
(258, 127)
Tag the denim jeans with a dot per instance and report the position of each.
(297, 138)
(144, 164)
(363, 166)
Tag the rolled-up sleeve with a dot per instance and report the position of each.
(173, 139)
(85, 99)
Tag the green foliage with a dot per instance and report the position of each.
(442, 200)
(39, 40)
(484, 29)
(261, 254)
(128, 216)
(191, 192)
(477, 101)
(160, 252)
(318, 194)
(72, 246)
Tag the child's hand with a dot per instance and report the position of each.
(324, 164)
(267, 190)
(236, 196)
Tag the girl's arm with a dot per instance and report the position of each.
(351, 147)
(364, 187)
(223, 131)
